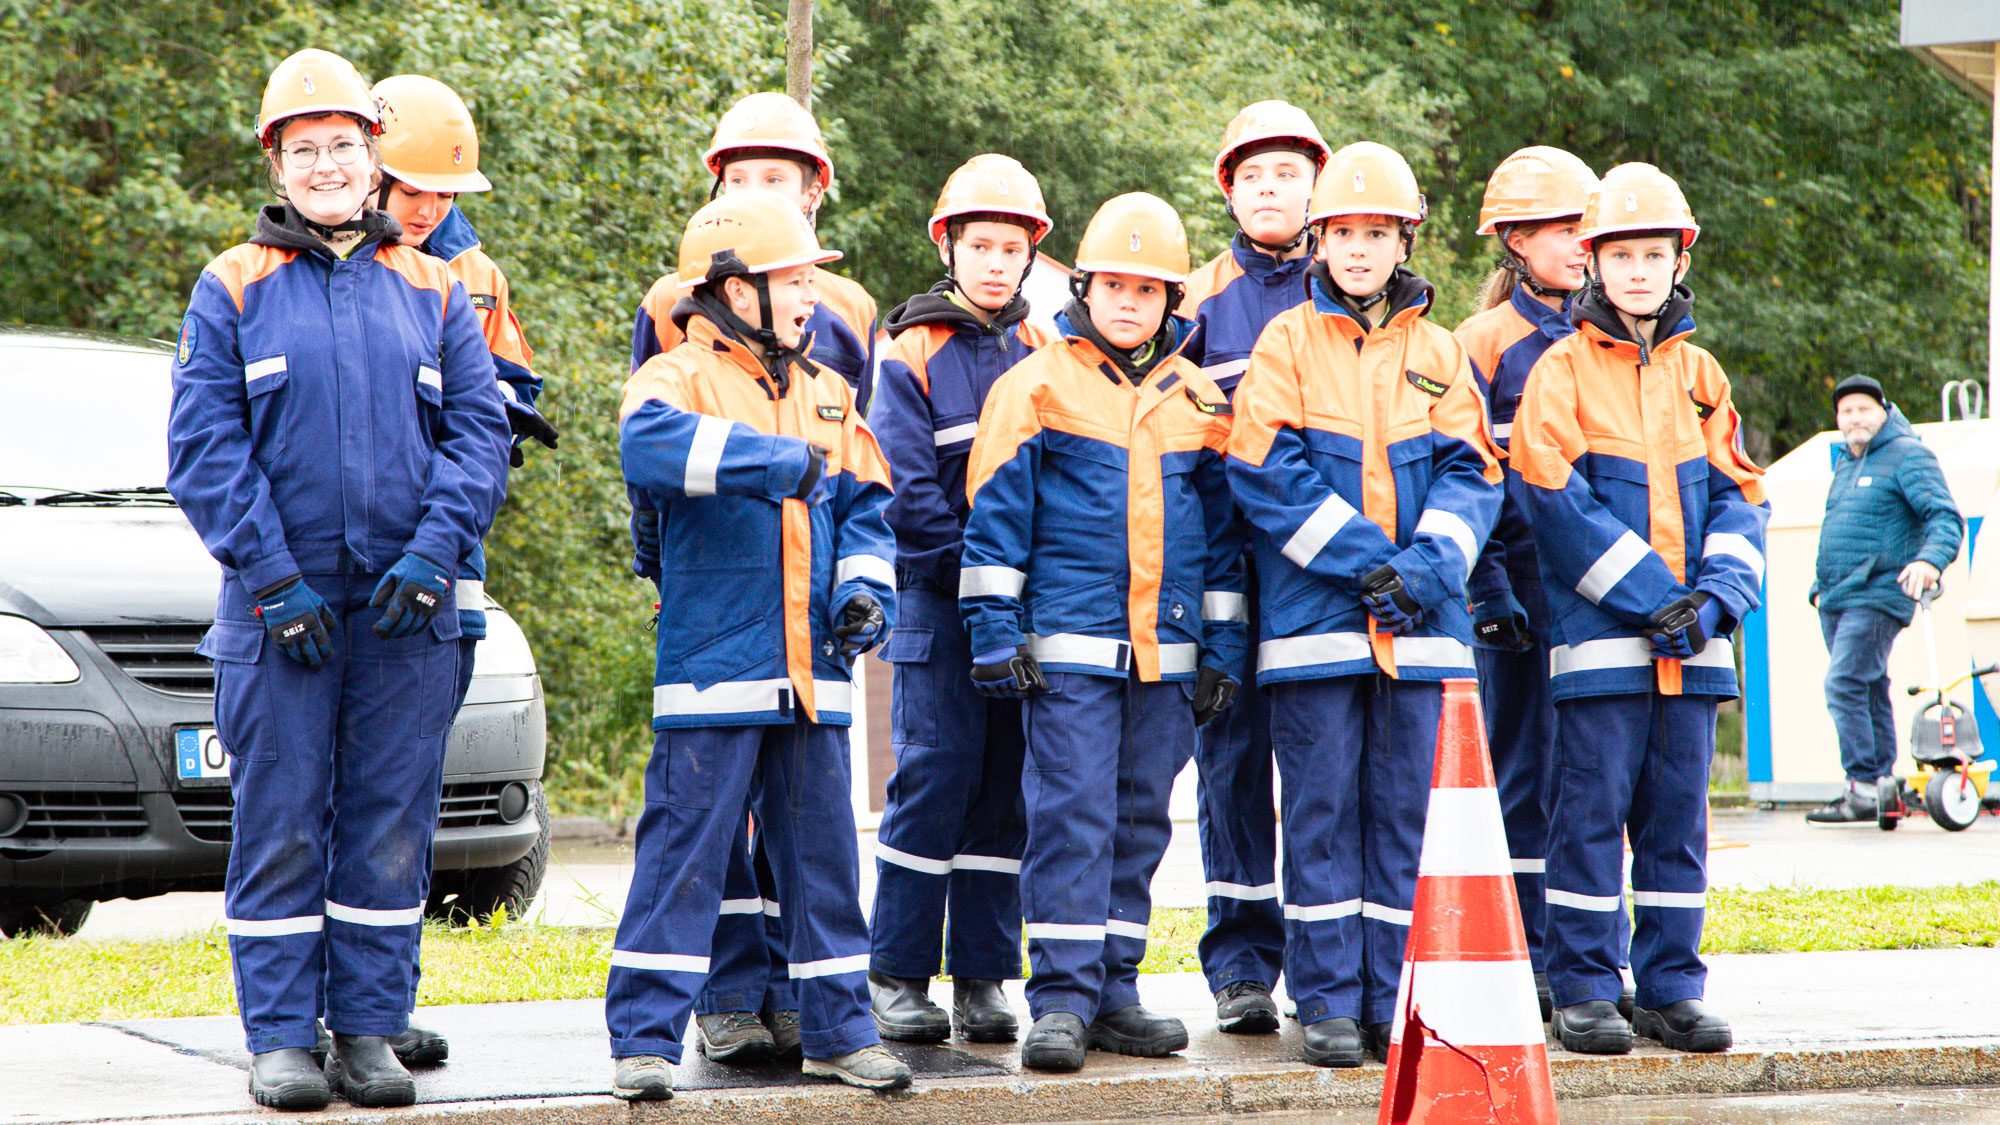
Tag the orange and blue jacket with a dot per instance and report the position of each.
(718, 449)
(842, 328)
(1101, 533)
(1356, 447)
(1504, 343)
(1634, 477)
(941, 364)
(1230, 300)
(332, 414)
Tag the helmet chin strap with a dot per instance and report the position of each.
(1525, 278)
(1298, 240)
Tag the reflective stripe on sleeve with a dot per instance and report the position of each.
(1736, 546)
(705, 455)
(1223, 605)
(1437, 521)
(260, 368)
(865, 566)
(1325, 522)
(1614, 564)
(991, 581)
(951, 434)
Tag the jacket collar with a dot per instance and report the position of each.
(1409, 297)
(1594, 313)
(937, 307)
(1895, 429)
(1257, 263)
(705, 334)
(1552, 323)
(1118, 365)
(452, 237)
(279, 225)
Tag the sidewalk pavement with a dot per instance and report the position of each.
(1806, 1021)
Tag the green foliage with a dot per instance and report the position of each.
(1840, 183)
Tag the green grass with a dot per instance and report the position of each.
(47, 980)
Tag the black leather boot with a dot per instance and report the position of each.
(418, 1046)
(1593, 1027)
(903, 1010)
(1054, 1043)
(1684, 1025)
(364, 1069)
(1132, 1030)
(981, 1011)
(1375, 1037)
(288, 1079)
(1334, 1042)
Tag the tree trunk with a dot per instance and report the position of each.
(799, 52)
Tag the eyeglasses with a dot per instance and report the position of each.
(305, 154)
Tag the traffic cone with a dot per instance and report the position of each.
(1467, 1042)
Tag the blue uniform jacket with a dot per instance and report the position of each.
(1636, 483)
(1101, 534)
(1885, 509)
(1231, 299)
(750, 578)
(1503, 343)
(934, 380)
(1355, 449)
(330, 415)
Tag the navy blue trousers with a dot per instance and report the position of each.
(1101, 759)
(699, 790)
(1238, 821)
(336, 774)
(747, 968)
(1355, 754)
(1632, 765)
(948, 854)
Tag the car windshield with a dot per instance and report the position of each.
(83, 419)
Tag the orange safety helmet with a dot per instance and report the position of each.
(1260, 122)
(991, 184)
(752, 231)
(769, 121)
(1637, 197)
(1136, 233)
(428, 140)
(313, 83)
(1534, 184)
(1366, 178)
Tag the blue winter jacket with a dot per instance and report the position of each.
(1887, 508)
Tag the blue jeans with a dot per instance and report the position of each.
(1857, 688)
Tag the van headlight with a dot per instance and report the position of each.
(28, 655)
(504, 650)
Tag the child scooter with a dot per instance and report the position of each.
(1950, 784)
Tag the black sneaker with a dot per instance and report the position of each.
(1844, 811)
(1245, 1007)
(1684, 1025)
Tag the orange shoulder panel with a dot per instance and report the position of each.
(1269, 395)
(666, 377)
(418, 268)
(1011, 417)
(914, 348)
(1213, 277)
(1035, 336)
(1485, 335)
(1722, 430)
(848, 301)
(1461, 411)
(659, 305)
(238, 267)
(493, 304)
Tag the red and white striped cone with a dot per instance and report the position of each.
(1467, 1044)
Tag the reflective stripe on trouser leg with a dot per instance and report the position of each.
(1397, 753)
(952, 829)
(806, 821)
(1315, 735)
(1601, 749)
(697, 796)
(743, 966)
(1158, 740)
(1236, 813)
(1669, 831)
(1520, 732)
(1070, 775)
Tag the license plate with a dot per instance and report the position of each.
(199, 756)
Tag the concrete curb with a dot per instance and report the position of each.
(1185, 1091)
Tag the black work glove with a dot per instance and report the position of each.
(858, 624)
(1214, 691)
(296, 620)
(414, 591)
(1682, 627)
(525, 421)
(1007, 675)
(1388, 602)
(1501, 624)
(646, 542)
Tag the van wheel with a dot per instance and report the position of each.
(57, 919)
(459, 897)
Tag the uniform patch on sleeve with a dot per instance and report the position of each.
(1701, 409)
(833, 413)
(1219, 409)
(188, 331)
(1425, 383)
(485, 301)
